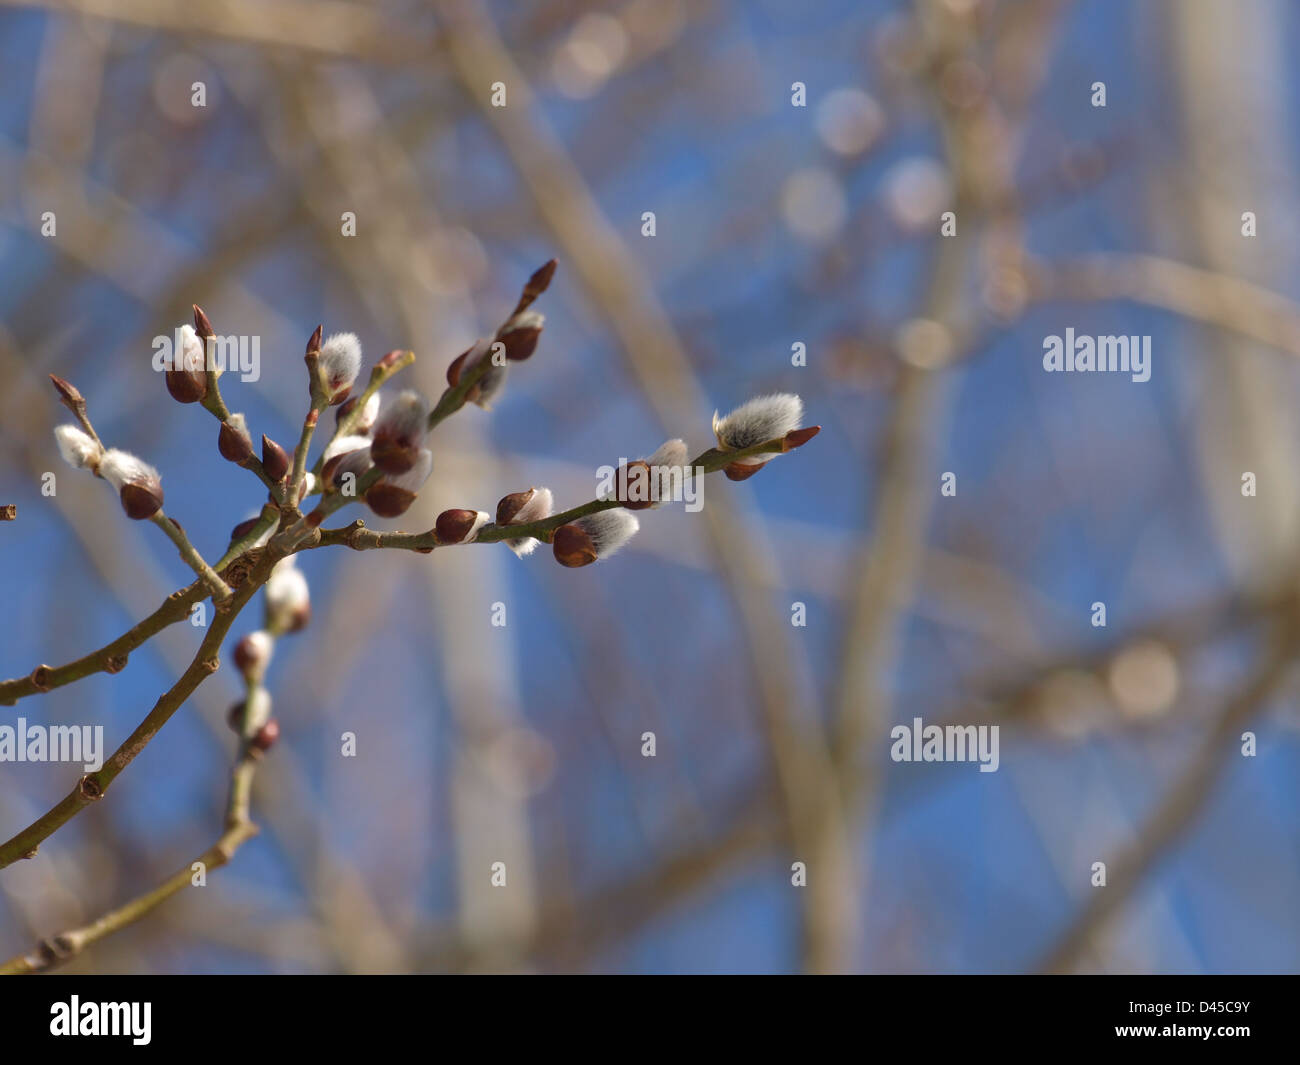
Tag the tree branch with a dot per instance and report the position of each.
(92, 786)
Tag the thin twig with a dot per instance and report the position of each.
(66, 945)
(92, 786)
(221, 591)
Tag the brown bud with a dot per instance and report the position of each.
(234, 443)
(521, 341)
(243, 529)
(313, 344)
(741, 471)
(539, 282)
(299, 619)
(72, 399)
(275, 460)
(389, 501)
(573, 547)
(235, 717)
(634, 487)
(187, 386)
(457, 365)
(252, 651)
(798, 437)
(141, 500)
(339, 466)
(394, 454)
(346, 408)
(393, 358)
(510, 505)
(453, 526)
(201, 324)
(266, 736)
(541, 279)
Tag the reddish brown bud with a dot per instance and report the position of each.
(330, 470)
(393, 455)
(266, 736)
(393, 358)
(138, 484)
(798, 437)
(187, 386)
(346, 408)
(275, 460)
(201, 324)
(399, 432)
(388, 500)
(141, 501)
(520, 343)
(520, 336)
(573, 547)
(742, 471)
(510, 505)
(233, 440)
(252, 714)
(539, 282)
(300, 618)
(456, 526)
(313, 344)
(457, 365)
(253, 651)
(72, 399)
(243, 529)
(634, 485)
(245, 655)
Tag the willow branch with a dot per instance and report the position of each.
(453, 398)
(221, 591)
(66, 945)
(112, 657)
(92, 787)
(359, 538)
(238, 828)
